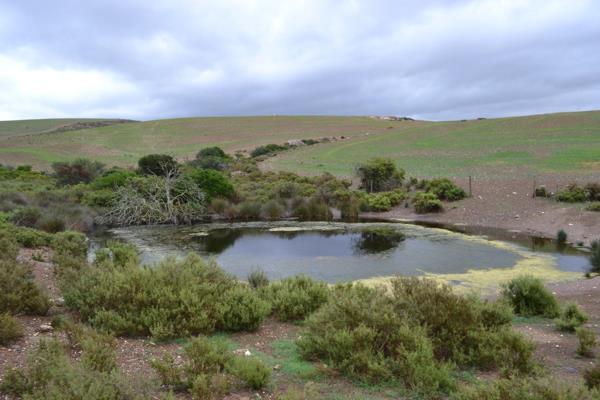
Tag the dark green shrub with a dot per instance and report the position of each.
(384, 201)
(249, 210)
(209, 387)
(113, 179)
(561, 237)
(212, 183)
(425, 202)
(171, 299)
(572, 194)
(266, 149)
(594, 206)
(26, 216)
(70, 243)
(77, 171)
(212, 158)
(258, 279)
(51, 224)
(529, 297)
(214, 151)
(587, 341)
(98, 353)
(571, 318)
(295, 298)
(445, 189)
(522, 389)
(272, 210)
(251, 370)
(169, 373)
(375, 240)
(541, 191)
(19, 292)
(379, 174)
(314, 209)
(592, 191)
(10, 329)
(595, 256)
(157, 164)
(32, 238)
(8, 248)
(592, 377)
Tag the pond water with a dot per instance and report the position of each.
(336, 252)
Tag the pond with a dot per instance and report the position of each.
(338, 252)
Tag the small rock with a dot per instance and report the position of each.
(247, 353)
(276, 367)
(45, 328)
(59, 302)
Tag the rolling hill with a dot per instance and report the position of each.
(564, 142)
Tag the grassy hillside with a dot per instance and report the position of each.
(36, 126)
(567, 142)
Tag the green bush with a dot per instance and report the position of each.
(212, 158)
(572, 194)
(10, 329)
(8, 248)
(249, 210)
(592, 377)
(522, 389)
(384, 201)
(51, 224)
(77, 171)
(272, 210)
(32, 238)
(587, 341)
(561, 237)
(592, 190)
(595, 256)
(212, 183)
(571, 318)
(295, 298)
(412, 334)
(379, 174)
(445, 189)
(529, 297)
(594, 206)
(70, 243)
(19, 292)
(50, 374)
(26, 216)
(98, 352)
(541, 191)
(425, 202)
(157, 164)
(112, 179)
(266, 149)
(251, 370)
(258, 279)
(171, 299)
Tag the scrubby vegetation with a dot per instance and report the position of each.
(51, 374)
(10, 329)
(210, 370)
(587, 341)
(529, 297)
(577, 194)
(379, 175)
(413, 334)
(571, 318)
(425, 202)
(595, 256)
(172, 299)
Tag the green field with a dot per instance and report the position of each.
(566, 142)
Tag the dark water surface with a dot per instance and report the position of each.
(338, 252)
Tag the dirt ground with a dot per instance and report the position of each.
(508, 204)
(555, 350)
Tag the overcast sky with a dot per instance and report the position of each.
(429, 59)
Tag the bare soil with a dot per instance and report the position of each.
(508, 204)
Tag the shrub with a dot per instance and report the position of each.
(26, 216)
(19, 292)
(592, 191)
(572, 194)
(157, 164)
(249, 210)
(295, 298)
(10, 329)
(77, 171)
(113, 179)
(445, 189)
(52, 224)
(212, 183)
(212, 158)
(379, 174)
(384, 201)
(32, 238)
(541, 191)
(592, 377)
(251, 370)
(529, 297)
(594, 206)
(412, 333)
(98, 352)
(587, 341)
(209, 387)
(214, 151)
(171, 299)
(70, 243)
(571, 318)
(50, 374)
(272, 210)
(266, 149)
(219, 205)
(377, 239)
(8, 248)
(425, 202)
(522, 389)
(561, 237)
(258, 279)
(595, 256)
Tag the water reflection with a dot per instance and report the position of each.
(377, 240)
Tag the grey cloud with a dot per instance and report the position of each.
(428, 59)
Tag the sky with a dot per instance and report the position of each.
(427, 59)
